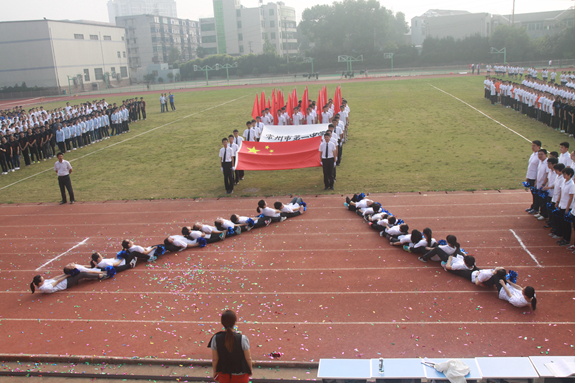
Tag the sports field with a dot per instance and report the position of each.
(315, 286)
(405, 135)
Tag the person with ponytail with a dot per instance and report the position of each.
(231, 357)
(426, 243)
(407, 239)
(145, 253)
(194, 235)
(268, 212)
(517, 295)
(442, 252)
(249, 223)
(120, 264)
(64, 281)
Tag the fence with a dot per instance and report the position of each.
(218, 81)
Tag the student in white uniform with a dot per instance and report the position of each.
(268, 212)
(62, 282)
(249, 223)
(227, 226)
(517, 295)
(193, 235)
(145, 253)
(488, 277)
(443, 251)
(407, 239)
(426, 243)
(461, 265)
(119, 264)
(177, 243)
(293, 209)
(532, 167)
(565, 156)
(249, 133)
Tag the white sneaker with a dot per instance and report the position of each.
(12, 170)
(283, 219)
(537, 215)
(17, 168)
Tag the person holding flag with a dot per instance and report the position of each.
(328, 152)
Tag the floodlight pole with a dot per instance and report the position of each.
(227, 67)
(349, 60)
(497, 51)
(206, 68)
(309, 60)
(69, 87)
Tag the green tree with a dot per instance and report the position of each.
(515, 40)
(149, 78)
(174, 55)
(269, 48)
(170, 76)
(200, 52)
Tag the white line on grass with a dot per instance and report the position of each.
(66, 252)
(127, 139)
(477, 110)
(525, 248)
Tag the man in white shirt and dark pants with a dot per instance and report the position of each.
(328, 152)
(63, 169)
(227, 156)
(532, 167)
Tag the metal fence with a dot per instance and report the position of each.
(218, 81)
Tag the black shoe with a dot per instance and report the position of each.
(546, 226)
(347, 200)
(326, 188)
(62, 202)
(331, 188)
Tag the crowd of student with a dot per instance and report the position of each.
(550, 179)
(198, 235)
(452, 257)
(32, 136)
(540, 99)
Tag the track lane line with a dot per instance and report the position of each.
(64, 253)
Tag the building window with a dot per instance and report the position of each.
(119, 54)
(263, 24)
(93, 37)
(109, 38)
(238, 13)
(211, 51)
(155, 72)
(124, 71)
(122, 38)
(273, 35)
(241, 49)
(272, 24)
(264, 36)
(208, 27)
(98, 73)
(134, 41)
(113, 69)
(208, 39)
(271, 12)
(86, 75)
(240, 36)
(78, 36)
(124, 54)
(239, 25)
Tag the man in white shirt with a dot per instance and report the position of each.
(541, 181)
(328, 153)
(562, 229)
(227, 165)
(532, 167)
(249, 133)
(565, 157)
(236, 149)
(63, 169)
(259, 127)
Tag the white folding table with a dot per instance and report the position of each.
(344, 369)
(506, 368)
(408, 368)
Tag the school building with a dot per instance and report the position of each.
(154, 40)
(441, 23)
(237, 30)
(63, 54)
(118, 8)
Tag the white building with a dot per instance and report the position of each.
(237, 30)
(49, 53)
(117, 8)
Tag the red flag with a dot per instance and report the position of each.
(324, 95)
(304, 102)
(268, 104)
(319, 108)
(289, 107)
(336, 102)
(281, 100)
(256, 108)
(262, 102)
(295, 99)
(274, 107)
(279, 155)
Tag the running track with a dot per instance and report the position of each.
(319, 285)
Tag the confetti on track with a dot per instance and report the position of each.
(319, 285)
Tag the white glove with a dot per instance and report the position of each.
(321, 162)
(233, 169)
(222, 169)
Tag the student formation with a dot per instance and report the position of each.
(37, 135)
(331, 147)
(453, 258)
(198, 235)
(537, 96)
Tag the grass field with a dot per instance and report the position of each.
(404, 136)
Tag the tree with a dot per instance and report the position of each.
(149, 78)
(174, 55)
(160, 79)
(178, 77)
(200, 52)
(269, 48)
(170, 76)
(515, 40)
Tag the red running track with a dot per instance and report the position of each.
(316, 286)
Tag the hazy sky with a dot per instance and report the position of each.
(193, 9)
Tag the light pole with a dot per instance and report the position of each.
(349, 60)
(227, 67)
(206, 68)
(389, 56)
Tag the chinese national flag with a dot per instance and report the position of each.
(256, 108)
(279, 155)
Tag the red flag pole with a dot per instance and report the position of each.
(255, 110)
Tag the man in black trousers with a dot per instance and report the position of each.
(328, 152)
(227, 165)
(63, 169)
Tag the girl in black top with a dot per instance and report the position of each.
(231, 357)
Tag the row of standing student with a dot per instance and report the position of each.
(197, 235)
(453, 259)
(550, 179)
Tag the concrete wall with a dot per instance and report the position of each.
(251, 31)
(27, 54)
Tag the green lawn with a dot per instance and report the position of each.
(404, 136)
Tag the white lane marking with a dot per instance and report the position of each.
(64, 253)
(127, 139)
(477, 110)
(525, 248)
(265, 323)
